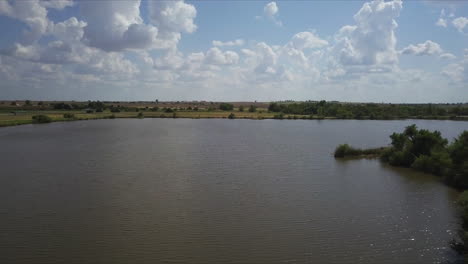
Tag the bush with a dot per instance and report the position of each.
(241, 108)
(252, 108)
(69, 116)
(280, 116)
(401, 158)
(437, 163)
(232, 116)
(226, 107)
(41, 119)
(344, 150)
(140, 115)
(115, 110)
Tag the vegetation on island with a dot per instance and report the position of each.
(429, 152)
(346, 150)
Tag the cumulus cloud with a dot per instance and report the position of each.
(442, 21)
(270, 11)
(460, 23)
(237, 42)
(303, 40)
(371, 40)
(458, 72)
(427, 48)
(111, 43)
(116, 25)
(218, 57)
(33, 13)
(173, 16)
(447, 56)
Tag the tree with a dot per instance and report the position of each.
(226, 107)
(274, 107)
(241, 108)
(41, 119)
(252, 108)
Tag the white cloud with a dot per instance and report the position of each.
(270, 11)
(304, 40)
(112, 46)
(237, 42)
(116, 25)
(427, 48)
(458, 72)
(70, 30)
(460, 23)
(32, 13)
(372, 40)
(218, 57)
(441, 22)
(447, 56)
(173, 16)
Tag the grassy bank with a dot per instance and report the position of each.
(26, 117)
(21, 117)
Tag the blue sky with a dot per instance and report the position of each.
(380, 51)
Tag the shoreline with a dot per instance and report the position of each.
(8, 119)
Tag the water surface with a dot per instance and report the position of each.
(217, 191)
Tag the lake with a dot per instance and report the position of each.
(217, 191)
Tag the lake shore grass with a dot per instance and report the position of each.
(26, 117)
(346, 151)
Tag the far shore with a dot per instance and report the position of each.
(26, 117)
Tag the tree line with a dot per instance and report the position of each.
(369, 110)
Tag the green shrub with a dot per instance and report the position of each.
(140, 115)
(69, 116)
(343, 150)
(232, 116)
(437, 163)
(41, 119)
(226, 107)
(401, 158)
(280, 116)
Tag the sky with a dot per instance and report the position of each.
(218, 50)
